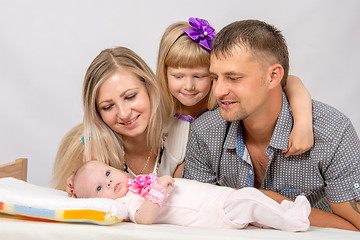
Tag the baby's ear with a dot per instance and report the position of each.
(70, 186)
(70, 181)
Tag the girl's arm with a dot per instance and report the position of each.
(301, 137)
(179, 170)
(149, 210)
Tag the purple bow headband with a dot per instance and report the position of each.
(202, 33)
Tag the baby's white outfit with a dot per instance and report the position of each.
(196, 204)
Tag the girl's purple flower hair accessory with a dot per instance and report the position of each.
(202, 33)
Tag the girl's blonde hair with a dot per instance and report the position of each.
(178, 50)
(69, 156)
(100, 139)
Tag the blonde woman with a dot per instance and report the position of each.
(123, 118)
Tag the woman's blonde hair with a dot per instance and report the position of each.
(100, 139)
(69, 156)
(178, 50)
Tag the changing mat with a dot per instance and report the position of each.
(19, 198)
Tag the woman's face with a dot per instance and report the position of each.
(124, 104)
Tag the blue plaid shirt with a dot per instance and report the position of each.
(329, 171)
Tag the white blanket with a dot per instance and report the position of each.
(17, 192)
(22, 198)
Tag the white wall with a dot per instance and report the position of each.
(46, 47)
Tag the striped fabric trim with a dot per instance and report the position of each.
(83, 215)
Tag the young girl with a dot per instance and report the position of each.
(189, 203)
(183, 73)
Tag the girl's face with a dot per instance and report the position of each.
(98, 180)
(189, 85)
(124, 104)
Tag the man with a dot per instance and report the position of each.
(241, 143)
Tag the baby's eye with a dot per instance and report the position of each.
(107, 173)
(99, 188)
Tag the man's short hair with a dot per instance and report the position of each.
(263, 41)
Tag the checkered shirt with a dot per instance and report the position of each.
(329, 171)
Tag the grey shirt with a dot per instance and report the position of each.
(329, 171)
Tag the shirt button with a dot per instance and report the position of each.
(356, 185)
(250, 172)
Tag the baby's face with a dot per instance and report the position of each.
(98, 180)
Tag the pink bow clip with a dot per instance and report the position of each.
(142, 184)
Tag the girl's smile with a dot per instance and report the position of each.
(190, 86)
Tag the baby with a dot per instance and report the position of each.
(184, 202)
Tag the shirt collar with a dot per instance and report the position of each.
(280, 136)
(284, 124)
(230, 141)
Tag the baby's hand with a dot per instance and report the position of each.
(165, 181)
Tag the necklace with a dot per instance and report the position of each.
(147, 162)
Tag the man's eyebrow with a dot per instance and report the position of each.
(231, 73)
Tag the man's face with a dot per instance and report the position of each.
(239, 84)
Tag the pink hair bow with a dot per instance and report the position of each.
(142, 184)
